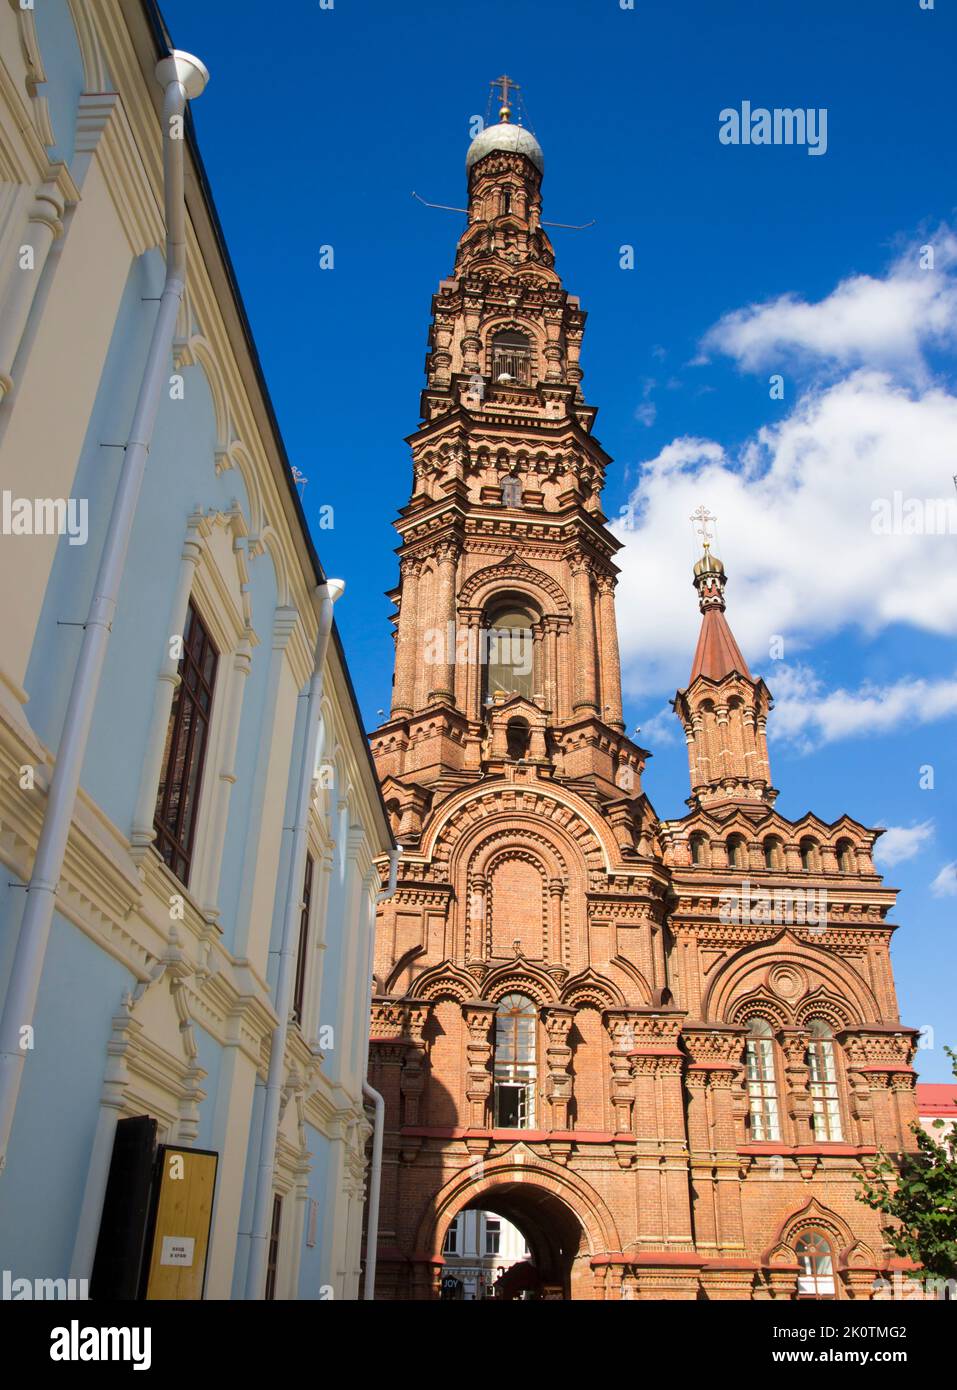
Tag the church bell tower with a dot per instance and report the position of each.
(581, 1022)
(506, 644)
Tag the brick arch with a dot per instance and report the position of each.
(557, 817)
(525, 910)
(520, 1166)
(546, 592)
(489, 843)
(445, 981)
(811, 1216)
(821, 1003)
(520, 977)
(838, 978)
(591, 988)
(760, 1005)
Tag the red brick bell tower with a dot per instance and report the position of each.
(560, 1023)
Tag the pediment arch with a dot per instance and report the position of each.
(743, 973)
(516, 575)
(445, 980)
(520, 976)
(588, 987)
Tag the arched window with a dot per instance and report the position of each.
(737, 856)
(516, 1023)
(846, 858)
(826, 1114)
(518, 736)
(816, 1264)
(511, 357)
(509, 654)
(773, 856)
(506, 200)
(698, 846)
(762, 1086)
(809, 854)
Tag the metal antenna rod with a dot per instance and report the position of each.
(566, 226)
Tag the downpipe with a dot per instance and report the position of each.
(328, 593)
(378, 1130)
(184, 78)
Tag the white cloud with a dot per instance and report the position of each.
(805, 712)
(661, 728)
(945, 884)
(902, 842)
(795, 507)
(889, 320)
(799, 506)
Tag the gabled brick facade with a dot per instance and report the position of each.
(707, 1062)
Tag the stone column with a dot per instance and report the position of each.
(554, 945)
(479, 1017)
(550, 674)
(610, 659)
(584, 629)
(471, 342)
(412, 1079)
(558, 1056)
(472, 698)
(44, 226)
(794, 1045)
(442, 679)
(407, 645)
(475, 918)
(441, 354)
(553, 350)
(622, 1029)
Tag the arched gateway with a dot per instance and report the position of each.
(647, 1043)
(565, 1223)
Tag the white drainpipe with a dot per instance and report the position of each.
(262, 1207)
(370, 1093)
(184, 78)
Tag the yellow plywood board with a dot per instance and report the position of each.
(181, 1233)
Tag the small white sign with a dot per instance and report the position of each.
(177, 1250)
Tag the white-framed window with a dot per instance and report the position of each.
(762, 1083)
(493, 1235)
(822, 1063)
(516, 1025)
(816, 1266)
(451, 1246)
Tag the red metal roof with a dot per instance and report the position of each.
(717, 653)
(937, 1098)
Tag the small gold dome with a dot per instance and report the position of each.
(708, 564)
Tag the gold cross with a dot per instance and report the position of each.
(506, 84)
(704, 518)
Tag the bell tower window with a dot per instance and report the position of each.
(511, 357)
(519, 737)
(509, 659)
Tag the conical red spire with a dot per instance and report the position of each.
(717, 653)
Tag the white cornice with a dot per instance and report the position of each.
(103, 131)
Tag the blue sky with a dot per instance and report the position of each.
(749, 262)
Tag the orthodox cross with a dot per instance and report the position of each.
(703, 523)
(506, 84)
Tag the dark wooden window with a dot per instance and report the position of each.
(177, 800)
(273, 1261)
(298, 992)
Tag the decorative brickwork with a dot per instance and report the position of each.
(714, 1043)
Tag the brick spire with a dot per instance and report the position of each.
(717, 653)
(724, 709)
